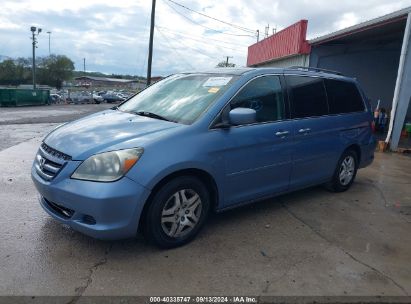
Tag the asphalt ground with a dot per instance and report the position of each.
(308, 243)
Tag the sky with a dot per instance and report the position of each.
(113, 35)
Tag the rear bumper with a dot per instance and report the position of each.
(367, 153)
(101, 210)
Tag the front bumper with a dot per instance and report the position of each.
(101, 210)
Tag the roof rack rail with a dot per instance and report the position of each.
(315, 70)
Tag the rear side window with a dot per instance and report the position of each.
(308, 96)
(343, 97)
(265, 96)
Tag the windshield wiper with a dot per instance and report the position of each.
(151, 115)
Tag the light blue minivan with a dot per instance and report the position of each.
(200, 142)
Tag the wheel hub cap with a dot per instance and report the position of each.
(347, 170)
(181, 213)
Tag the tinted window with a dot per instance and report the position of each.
(308, 96)
(265, 96)
(343, 97)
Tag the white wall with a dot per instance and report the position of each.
(299, 60)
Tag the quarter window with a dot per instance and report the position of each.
(343, 97)
(265, 96)
(308, 96)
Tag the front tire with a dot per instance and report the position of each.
(177, 212)
(345, 172)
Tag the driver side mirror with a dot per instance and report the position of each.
(242, 116)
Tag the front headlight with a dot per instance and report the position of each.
(108, 166)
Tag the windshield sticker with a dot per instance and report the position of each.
(216, 81)
(213, 90)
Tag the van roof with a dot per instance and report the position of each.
(308, 71)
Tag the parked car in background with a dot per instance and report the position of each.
(97, 98)
(81, 97)
(111, 97)
(122, 95)
(55, 98)
(197, 142)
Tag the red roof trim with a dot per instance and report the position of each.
(287, 42)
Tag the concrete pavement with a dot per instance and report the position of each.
(22, 123)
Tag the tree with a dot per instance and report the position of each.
(223, 64)
(54, 69)
(7, 72)
(15, 72)
(23, 70)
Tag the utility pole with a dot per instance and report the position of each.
(33, 69)
(226, 62)
(49, 42)
(258, 35)
(150, 48)
(84, 65)
(33, 31)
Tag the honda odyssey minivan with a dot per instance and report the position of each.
(200, 142)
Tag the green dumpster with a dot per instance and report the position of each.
(23, 97)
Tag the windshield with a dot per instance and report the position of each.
(180, 98)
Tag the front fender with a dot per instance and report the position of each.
(151, 180)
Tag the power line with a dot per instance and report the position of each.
(209, 28)
(213, 18)
(199, 51)
(195, 49)
(201, 37)
(177, 52)
(199, 40)
(215, 45)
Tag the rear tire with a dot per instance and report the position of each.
(177, 212)
(345, 172)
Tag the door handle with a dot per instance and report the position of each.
(282, 133)
(304, 131)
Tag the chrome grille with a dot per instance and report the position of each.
(49, 162)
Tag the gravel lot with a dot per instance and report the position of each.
(309, 243)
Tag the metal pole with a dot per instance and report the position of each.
(34, 61)
(396, 122)
(84, 65)
(150, 48)
(49, 42)
(226, 62)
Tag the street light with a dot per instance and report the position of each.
(33, 30)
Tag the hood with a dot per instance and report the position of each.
(105, 131)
